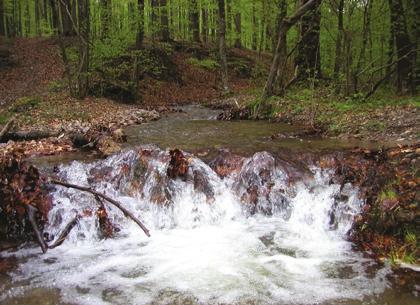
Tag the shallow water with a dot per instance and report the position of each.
(196, 129)
(203, 251)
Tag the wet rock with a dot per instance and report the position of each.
(262, 185)
(178, 165)
(202, 184)
(226, 163)
(107, 146)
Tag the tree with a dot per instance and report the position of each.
(222, 45)
(84, 31)
(339, 39)
(308, 59)
(404, 47)
(164, 22)
(285, 25)
(2, 19)
(238, 29)
(195, 20)
(105, 17)
(140, 24)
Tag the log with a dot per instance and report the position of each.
(30, 135)
(126, 212)
(6, 128)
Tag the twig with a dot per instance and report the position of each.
(126, 212)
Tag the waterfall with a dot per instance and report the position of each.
(258, 235)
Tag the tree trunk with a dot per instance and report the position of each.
(65, 9)
(404, 47)
(37, 25)
(140, 24)
(254, 28)
(27, 20)
(281, 72)
(84, 29)
(222, 45)
(164, 21)
(238, 30)
(195, 20)
(285, 25)
(154, 18)
(205, 25)
(105, 17)
(307, 61)
(2, 20)
(339, 39)
(362, 56)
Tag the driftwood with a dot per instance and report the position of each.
(66, 231)
(6, 128)
(126, 212)
(30, 210)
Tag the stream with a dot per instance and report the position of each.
(264, 233)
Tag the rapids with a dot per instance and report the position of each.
(211, 243)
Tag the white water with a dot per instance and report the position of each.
(200, 251)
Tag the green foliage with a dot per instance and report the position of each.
(207, 64)
(387, 194)
(56, 86)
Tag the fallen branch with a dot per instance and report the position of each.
(66, 231)
(126, 212)
(6, 128)
(30, 210)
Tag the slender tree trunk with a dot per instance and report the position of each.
(228, 5)
(84, 29)
(195, 20)
(205, 25)
(105, 17)
(2, 20)
(222, 45)
(285, 25)
(362, 56)
(140, 24)
(281, 72)
(27, 20)
(54, 15)
(254, 27)
(154, 18)
(308, 59)
(238, 29)
(65, 9)
(164, 21)
(404, 47)
(37, 24)
(338, 42)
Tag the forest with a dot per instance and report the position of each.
(354, 47)
(208, 152)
